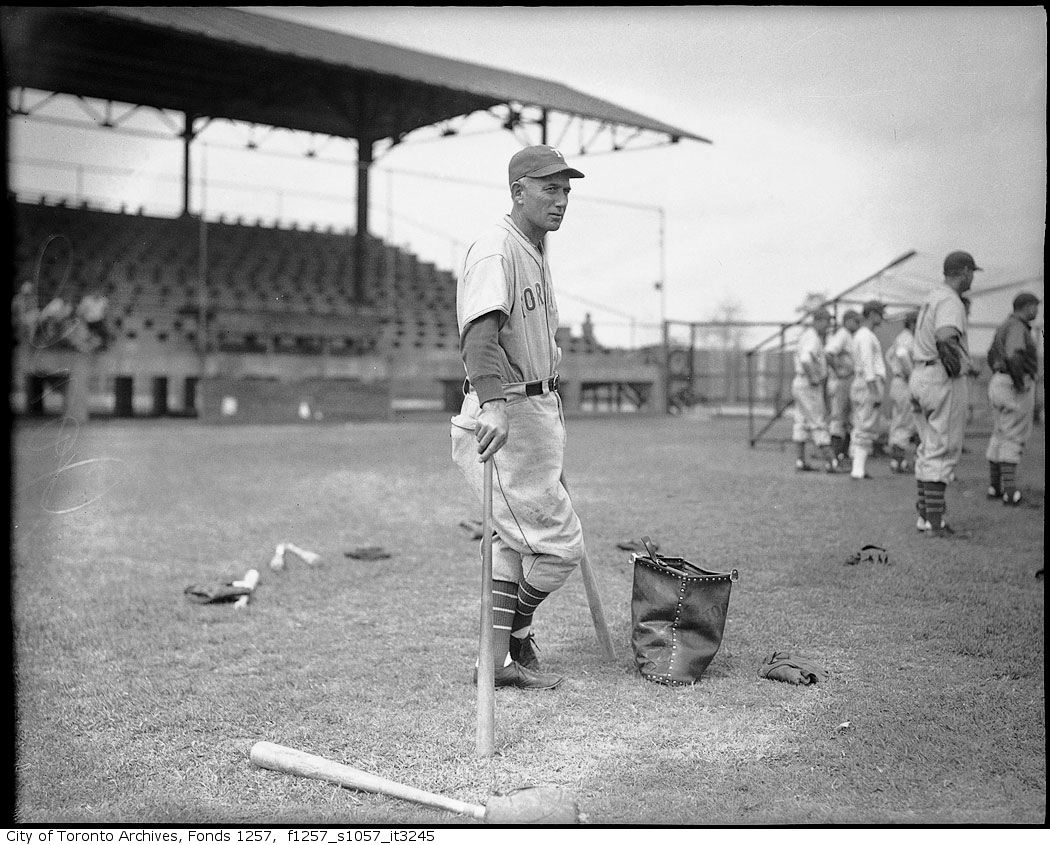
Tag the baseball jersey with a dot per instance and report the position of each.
(839, 351)
(899, 358)
(503, 271)
(1012, 339)
(809, 355)
(867, 356)
(942, 308)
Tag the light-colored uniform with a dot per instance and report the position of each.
(1013, 411)
(839, 352)
(868, 366)
(810, 411)
(942, 401)
(539, 537)
(899, 362)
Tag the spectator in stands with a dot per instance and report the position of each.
(839, 353)
(54, 326)
(1015, 363)
(92, 311)
(25, 313)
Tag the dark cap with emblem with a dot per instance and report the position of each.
(539, 160)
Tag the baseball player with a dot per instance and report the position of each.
(1011, 391)
(903, 429)
(866, 391)
(807, 389)
(938, 388)
(512, 413)
(839, 353)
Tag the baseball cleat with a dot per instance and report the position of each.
(523, 652)
(802, 466)
(922, 524)
(1012, 499)
(945, 531)
(994, 492)
(516, 675)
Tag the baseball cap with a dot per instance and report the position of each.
(1023, 299)
(539, 160)
(956, 261)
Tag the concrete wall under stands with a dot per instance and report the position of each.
(224, 400)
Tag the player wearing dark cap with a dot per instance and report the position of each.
(939, 389)
(1011, 391)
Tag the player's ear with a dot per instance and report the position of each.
(517, 190)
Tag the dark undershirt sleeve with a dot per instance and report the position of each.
(480, 349)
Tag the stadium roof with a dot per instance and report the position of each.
(226, 63)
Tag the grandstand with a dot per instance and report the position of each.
(236, 321)
(204, 313)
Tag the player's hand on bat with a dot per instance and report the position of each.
(492, 429)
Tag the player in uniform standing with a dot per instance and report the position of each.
(839, 352)
(869, 384)
(939, 391)
(512, 413)
(903, 429)
(1011, 391)
(807, 389)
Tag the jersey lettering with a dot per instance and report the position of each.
(528, 299)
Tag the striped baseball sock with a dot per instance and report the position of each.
(1008, 474)
(529, 599)
(920, 502)
(504, 600)
(995, 483)
(935, 503)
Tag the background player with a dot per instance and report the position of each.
(938, 389)
(839, 352)
(1011, 391)
(512, 413)
(903, 429)
(869, 384)
(807, 388)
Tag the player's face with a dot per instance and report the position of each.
(543, 201)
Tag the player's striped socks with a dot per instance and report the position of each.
(1008, 474)
(504, 600)
(920, 502)
(995, 483)
(935, 503)
(529, 599)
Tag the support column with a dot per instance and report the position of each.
(188, 135)
(361, 254)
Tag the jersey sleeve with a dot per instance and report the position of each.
(950, 314)
(486, 287)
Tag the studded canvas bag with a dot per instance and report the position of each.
(678, 615)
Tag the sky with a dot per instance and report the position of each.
(843, 138)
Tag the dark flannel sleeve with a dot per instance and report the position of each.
(479, 346)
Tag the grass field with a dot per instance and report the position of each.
(137, 706)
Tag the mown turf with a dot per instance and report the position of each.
(138, 706)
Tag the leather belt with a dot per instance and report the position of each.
(525, 388)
